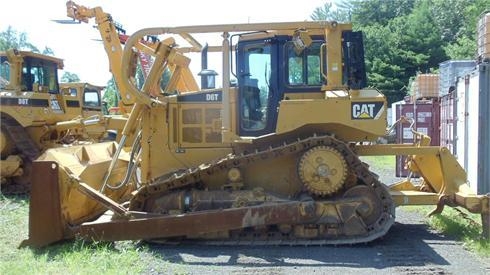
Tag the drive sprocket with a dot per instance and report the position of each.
(323, 170)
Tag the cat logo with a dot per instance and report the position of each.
(367, 110)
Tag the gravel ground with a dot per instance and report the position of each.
(408, 248)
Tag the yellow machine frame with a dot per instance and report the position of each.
(169, 154)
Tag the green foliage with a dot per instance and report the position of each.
(11, 39)
(165, 79)
(463, 48)
(368, 12)
(111, 94)
(406, 37)
(462, 42)
(48, 51)
(448, 21)
(72, 257)
(69, 77)
(379, 162)
(459, 224)
(331, 13)
(417, 41)
(401, 48)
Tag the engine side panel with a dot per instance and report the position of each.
(352, 117)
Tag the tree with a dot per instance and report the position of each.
(463, 48)
(70, 77)
(10, 39)
(368, 12)
(389, 65)
(406, 37)
(111, 94)
(405, 46)
(458, 21)
(332, 13)
(419, 40)
(48, 51)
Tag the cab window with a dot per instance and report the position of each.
(303, 68)
(4, 72)
(73, 92)
(41, 73)
(255, 87)
(91, 98)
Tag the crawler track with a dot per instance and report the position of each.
(195, 178)
(29, 152)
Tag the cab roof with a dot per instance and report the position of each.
(53, 59)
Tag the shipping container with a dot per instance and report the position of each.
(483, 36)
(426, 86)
(473, 127)
(450, 70)
(448, 115)
(460, 129)
(426, 119)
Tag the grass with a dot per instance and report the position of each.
(384, 166)
(79, 257)
(73, 257)
(465, 227)
(459, 224)
(380, 162)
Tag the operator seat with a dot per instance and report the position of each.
(252, 99)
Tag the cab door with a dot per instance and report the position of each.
(258, 96)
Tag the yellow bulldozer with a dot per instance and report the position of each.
(37, 113)
(270, 157)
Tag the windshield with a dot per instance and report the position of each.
(39, 73)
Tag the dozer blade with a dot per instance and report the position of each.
(212, 223)
(45, 222)
(164, 226)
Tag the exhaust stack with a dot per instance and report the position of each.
(208, 77)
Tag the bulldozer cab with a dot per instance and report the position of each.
(39, 76)
(24, 72)
(30, 72)
(35, 115)
(271, 69)
(85, 93)
(30, 80)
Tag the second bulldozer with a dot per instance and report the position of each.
(38, 113)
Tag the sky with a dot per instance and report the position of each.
(77, 44)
